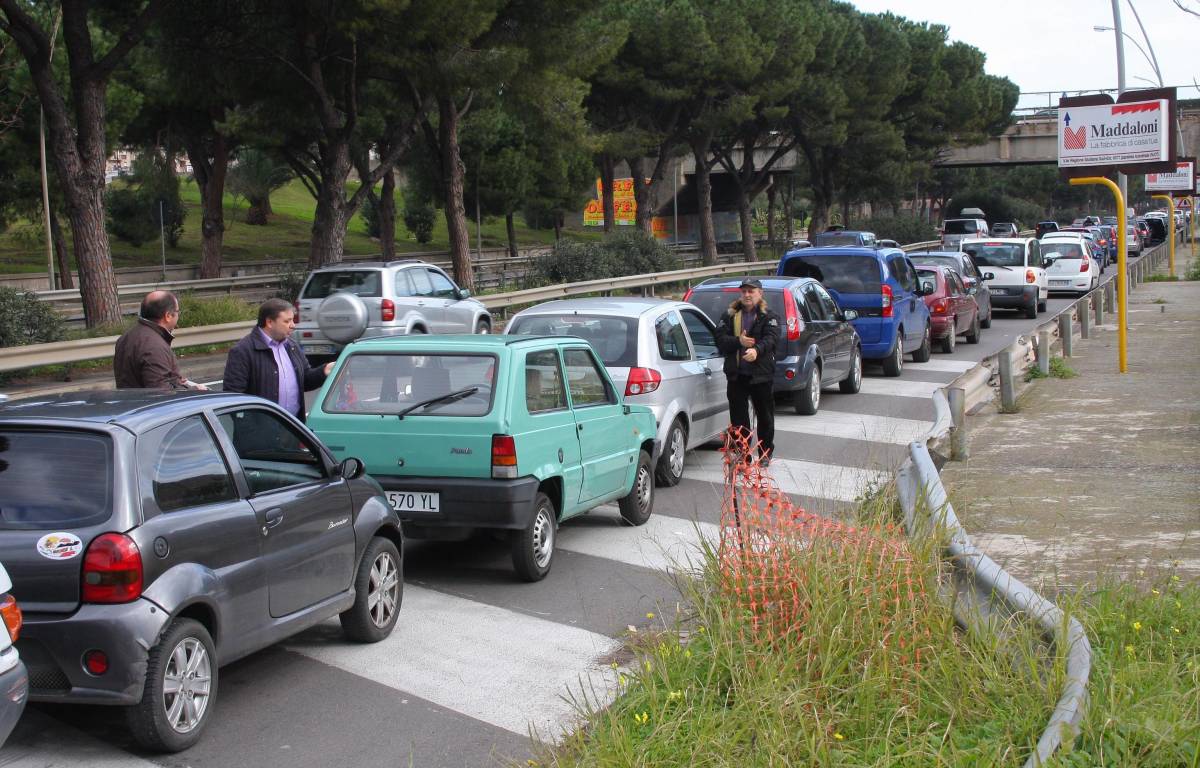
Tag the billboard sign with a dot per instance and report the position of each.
(624, 204)
(1182, 179)
(1114, 134)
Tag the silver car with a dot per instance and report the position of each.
(662, 353)
(345, 302)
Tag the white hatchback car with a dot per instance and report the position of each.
(1015, 272)
(1071, 267)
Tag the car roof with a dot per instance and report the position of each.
(776, 282)
(343, 267)
(916, 254)
(1007, 240)
(841, 250)
(460, 342)
(625, 306)
(134, 409)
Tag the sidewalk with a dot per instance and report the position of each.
(1100, 473)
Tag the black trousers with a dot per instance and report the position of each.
(740, 393)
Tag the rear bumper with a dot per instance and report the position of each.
(468, 502)
(1007, 300)
(52, 647)
(14, 691)
(1081, 283)
(884, 334)
(940, 327)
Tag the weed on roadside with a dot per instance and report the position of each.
(1058, 370)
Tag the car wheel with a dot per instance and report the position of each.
(808, 400)
(533, 547)
(949, 341)
(637, 505)
(1031, 309)
(894, 363)
(986, 322)
(925, 351)
(378, 593)
(180, 691)
(973, 334)
(853, 381)
(483, 327)
(1041, 305)
(670, 464)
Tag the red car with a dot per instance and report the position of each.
(953, 310)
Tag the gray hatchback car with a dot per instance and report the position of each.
(342, 303)
(153, 537)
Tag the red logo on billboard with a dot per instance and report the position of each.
(1075, 138)
(1133, 109)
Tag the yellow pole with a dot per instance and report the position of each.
(1170, 220)
(1122, 279)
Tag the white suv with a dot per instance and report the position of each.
(1015, 271)
(344, 302)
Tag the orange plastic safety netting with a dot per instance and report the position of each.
(787, 569)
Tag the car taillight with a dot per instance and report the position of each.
(886, 296)
(688, 296)
(1103, 242)
(12, 616)
(296, 314)
(795, 324)
(387, 310)
(1083, 266)
(1030, 277)
(642, 381)
(940, 307)
(112, 570)
(504, 457)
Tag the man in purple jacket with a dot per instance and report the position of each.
(268, 363)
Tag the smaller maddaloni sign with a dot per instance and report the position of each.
(1182, 179)
(1114, 134)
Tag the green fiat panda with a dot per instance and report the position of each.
(513, 433)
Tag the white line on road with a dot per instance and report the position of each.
(798, 478)
(499, 666)
(55, 744)
(947, 365)
(900, 387)
(663, 543)
(855, 426)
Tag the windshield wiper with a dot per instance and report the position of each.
(449, 397)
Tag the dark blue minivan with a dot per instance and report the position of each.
(880, 284)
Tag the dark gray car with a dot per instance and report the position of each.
(968, 271)
(153, 537)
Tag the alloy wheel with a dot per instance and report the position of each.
(187, 681)
(677, 451)
(814, 387)
(383, 593)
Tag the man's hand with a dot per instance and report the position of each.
(328, 368)
(750, 355)
(746, 341)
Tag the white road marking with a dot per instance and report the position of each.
(55, 744)
(900, 387)
(855, 426)
(799, 478)
(947, 365)
(505, 668)
(663, 543)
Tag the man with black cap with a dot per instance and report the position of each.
(747, 336)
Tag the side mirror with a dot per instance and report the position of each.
(463, 293)
(849, 314)
(972, 291)
(1046, 263)
(988, 276)
(351, 468)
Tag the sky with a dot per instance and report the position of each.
(1049, 45)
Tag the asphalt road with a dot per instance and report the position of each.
(479, 661)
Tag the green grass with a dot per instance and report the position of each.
(1058, 370)
(286, 236)
(844, 690)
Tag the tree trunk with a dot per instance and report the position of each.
(789, 213)
(511, 229)
(385, 211)
(452, 179)
(328, 243)
(771, 215)
(708, 237)
(558, 226)
(66, 276)
(846, 213)
(643, 204)
(259, 213)
(746, 219)
(607, 172)
(210, 178)
(97, 280)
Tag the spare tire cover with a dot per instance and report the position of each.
(342, 317)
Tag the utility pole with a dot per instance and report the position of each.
(1122, 181)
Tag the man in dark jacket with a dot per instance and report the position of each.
(268, 363)
(747, 336)
(143, 358)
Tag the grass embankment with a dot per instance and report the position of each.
(285, 237)
(854, 687)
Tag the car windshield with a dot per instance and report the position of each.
(715, 301)
(841, 273)
(54, 479)
(613, 338)
(997, 254)
(361, 282)
(962, 226)
(1061, 249)
(392, 382)
(937, 261)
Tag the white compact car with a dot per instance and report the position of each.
(1015, 272)
(1071, 268)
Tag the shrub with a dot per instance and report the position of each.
(369, 210)
(26, 320)
(902, 229)
(126, 217)
(633, 253)
(291, 280)
(419, 217)
(195, 311)
(136, 213)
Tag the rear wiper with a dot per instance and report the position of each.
(449, 397)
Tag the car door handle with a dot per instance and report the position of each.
(707, 371)
(578, 427)
(273, 517)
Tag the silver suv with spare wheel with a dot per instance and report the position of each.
(342, 303)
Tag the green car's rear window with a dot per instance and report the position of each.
(428, 384)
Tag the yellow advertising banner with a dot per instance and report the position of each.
(624, 205)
